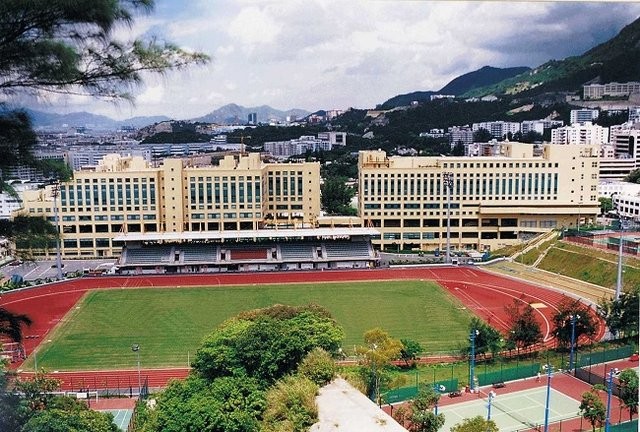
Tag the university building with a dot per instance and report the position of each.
(495, 200)
(127, 195)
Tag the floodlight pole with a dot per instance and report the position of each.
(55, 191)
(546, 406)
(447, 182)
(607, 419)
(472, 360)
(573, 340)
(136, 348)
(620, 250)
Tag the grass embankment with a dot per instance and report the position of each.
(590, 265)
(169, 324)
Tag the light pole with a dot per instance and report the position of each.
(607, 419)
(472, 360)
(136, 349)
(579, 215)
(619, 276)
(548, 368)
(492, 394)
(55, 190)
(573, 339)
(447, 182)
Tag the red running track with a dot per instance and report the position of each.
(485, 294)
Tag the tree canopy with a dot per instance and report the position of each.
(62, 46)
(524, 330)
(475, 424)
(267, 343)
(621, 315)
(592, 408)
(585, 324)
(628, 379)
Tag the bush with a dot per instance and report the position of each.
(318, 366)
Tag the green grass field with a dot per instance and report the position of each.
(169, 324)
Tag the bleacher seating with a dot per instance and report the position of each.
(296, 251)
(198, 253)
(148, 255)
(345, 249)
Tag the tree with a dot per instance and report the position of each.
(267, 343)
(29, 233)
(78, 420)
(61, 46)
(410, 350)
(524, 329)
(336, 196)
(58, 46)
(629, 391)
(422, 417)
(11, 324)
(606, 205)
(621, 315)
(482, 136)
(197, 404)
(487, 339)
(318, 366)
(378, 350)
(585, 325)
(633, 176)
(476, 424)
(458, 149)
(592, 408)
(291, 405)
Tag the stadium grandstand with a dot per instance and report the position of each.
(246, 251)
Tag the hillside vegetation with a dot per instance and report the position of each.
(590, 265)
(615, 60)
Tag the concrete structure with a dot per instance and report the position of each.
(634, 115)
(463, 134)
(608, 188)
(325, 142)
(496, 200)
(613, 89)
(580, 133)
(498, 129)
(583, 115)
(626, 141)
(343, 408)
(127, 195)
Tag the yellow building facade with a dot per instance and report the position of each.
(496, 200)
(127, 195)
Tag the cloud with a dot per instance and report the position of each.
(336, 54)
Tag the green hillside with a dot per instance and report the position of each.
(615, 60)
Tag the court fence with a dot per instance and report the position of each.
(407, 393)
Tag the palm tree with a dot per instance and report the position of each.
(11, 324)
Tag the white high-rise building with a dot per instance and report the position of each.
(498, 129)
(580, 133)
(583, 115)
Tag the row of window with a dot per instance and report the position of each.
(107, 195)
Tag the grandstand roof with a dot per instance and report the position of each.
(329, 233)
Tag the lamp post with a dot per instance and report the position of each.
(447, 182)
(548, 368)
(55, 191)
(619, 276)
(579, 215)
(492, 394)
(136, 349)
(573, 339)
(472, 360)
(607, 419)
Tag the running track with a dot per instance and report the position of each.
(482, 292)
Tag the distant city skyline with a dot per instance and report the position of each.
(332, 54)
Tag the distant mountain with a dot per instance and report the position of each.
(43, 119)
(484, 76)
(618, 59)
(237, 114)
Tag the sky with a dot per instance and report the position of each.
(336, 54)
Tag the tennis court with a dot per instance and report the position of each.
(121, 417)
(514, 411)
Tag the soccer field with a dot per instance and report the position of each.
(170, 323)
